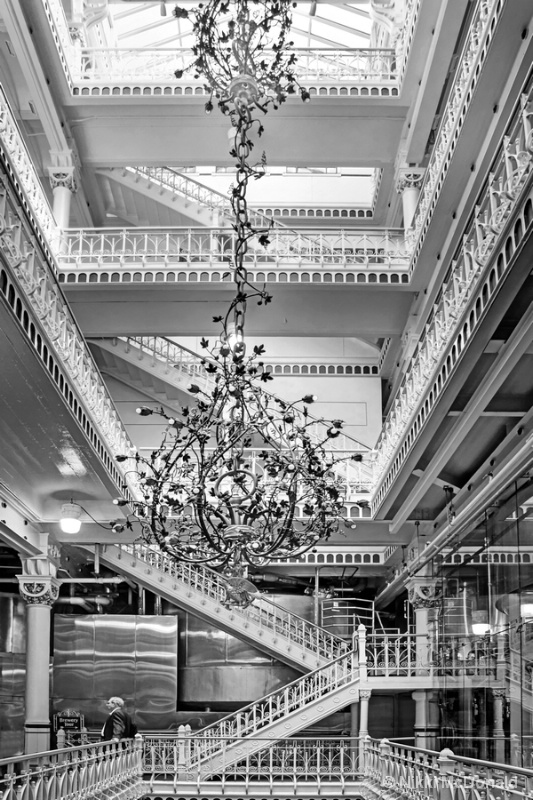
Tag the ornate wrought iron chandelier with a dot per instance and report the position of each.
(242, 477)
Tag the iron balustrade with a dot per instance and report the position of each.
(484, 19)
(371, 249)
(279, 705)
(97, 64)
(113, 770)
(183, 185)
(48, 321)
(13, 145)
(299, 759)
(262, 612)
(502, 195)
(399, 771)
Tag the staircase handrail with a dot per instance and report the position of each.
(262, 611)
(212, 198)
(276, 705)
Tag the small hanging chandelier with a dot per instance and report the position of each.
(242, 477)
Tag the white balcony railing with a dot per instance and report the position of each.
(373, 249)
(26, 237)
(449, 329)
(97, 64)
(297, 760)
(395, 771)
(26, 174)
(91, 771)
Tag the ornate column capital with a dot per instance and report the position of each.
(63, 177)
(38, 584)
(423, 592)
(409, 178)
(42, 593)
(62, 170)
(499, 692)
(365, 694)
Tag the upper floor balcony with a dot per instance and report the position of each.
(373, 256)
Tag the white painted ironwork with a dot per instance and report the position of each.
(368, 367)
(341, 555)
(295, 760)
(197, 585)
(372, 249)
(15, 148)
(490, 555)
(481, 27)
(36, 277)
(104, 64)
(175, 357)
(298, 705)
(398, 654)
(91, 771)
(397, 771)
(455, 318)
(183, 185)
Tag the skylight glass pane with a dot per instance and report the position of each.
(314, 25)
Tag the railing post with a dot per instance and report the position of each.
(184, 747)
(443, 791)
(385, 760)
(361, 644)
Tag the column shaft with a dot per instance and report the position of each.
(37, 723)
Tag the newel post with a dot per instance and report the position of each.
(385, 761)
(361, 650)
(445, 789)
(184, 748)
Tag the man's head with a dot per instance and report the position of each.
(114, 702)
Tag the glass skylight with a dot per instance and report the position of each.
(317, 25)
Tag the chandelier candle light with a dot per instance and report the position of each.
(242, 477)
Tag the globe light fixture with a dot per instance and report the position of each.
(70, 518)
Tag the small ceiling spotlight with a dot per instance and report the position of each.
(70, 518)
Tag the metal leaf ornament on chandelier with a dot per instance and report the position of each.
(243, 477)
(243, 53)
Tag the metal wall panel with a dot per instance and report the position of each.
(74, 656)
(230, 685)
(12, 623)
(156, 673)
(98, 656)
(114, 653)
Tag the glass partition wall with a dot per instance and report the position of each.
(483, 634)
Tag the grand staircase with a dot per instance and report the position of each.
(279, 715)
(203, 592)
(160, 196)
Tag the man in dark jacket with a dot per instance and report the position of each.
(118, 725)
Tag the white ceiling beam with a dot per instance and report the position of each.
(505, 362)
(502, 414)
(419, 473)
(29, 62)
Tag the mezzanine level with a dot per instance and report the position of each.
(136, 255)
